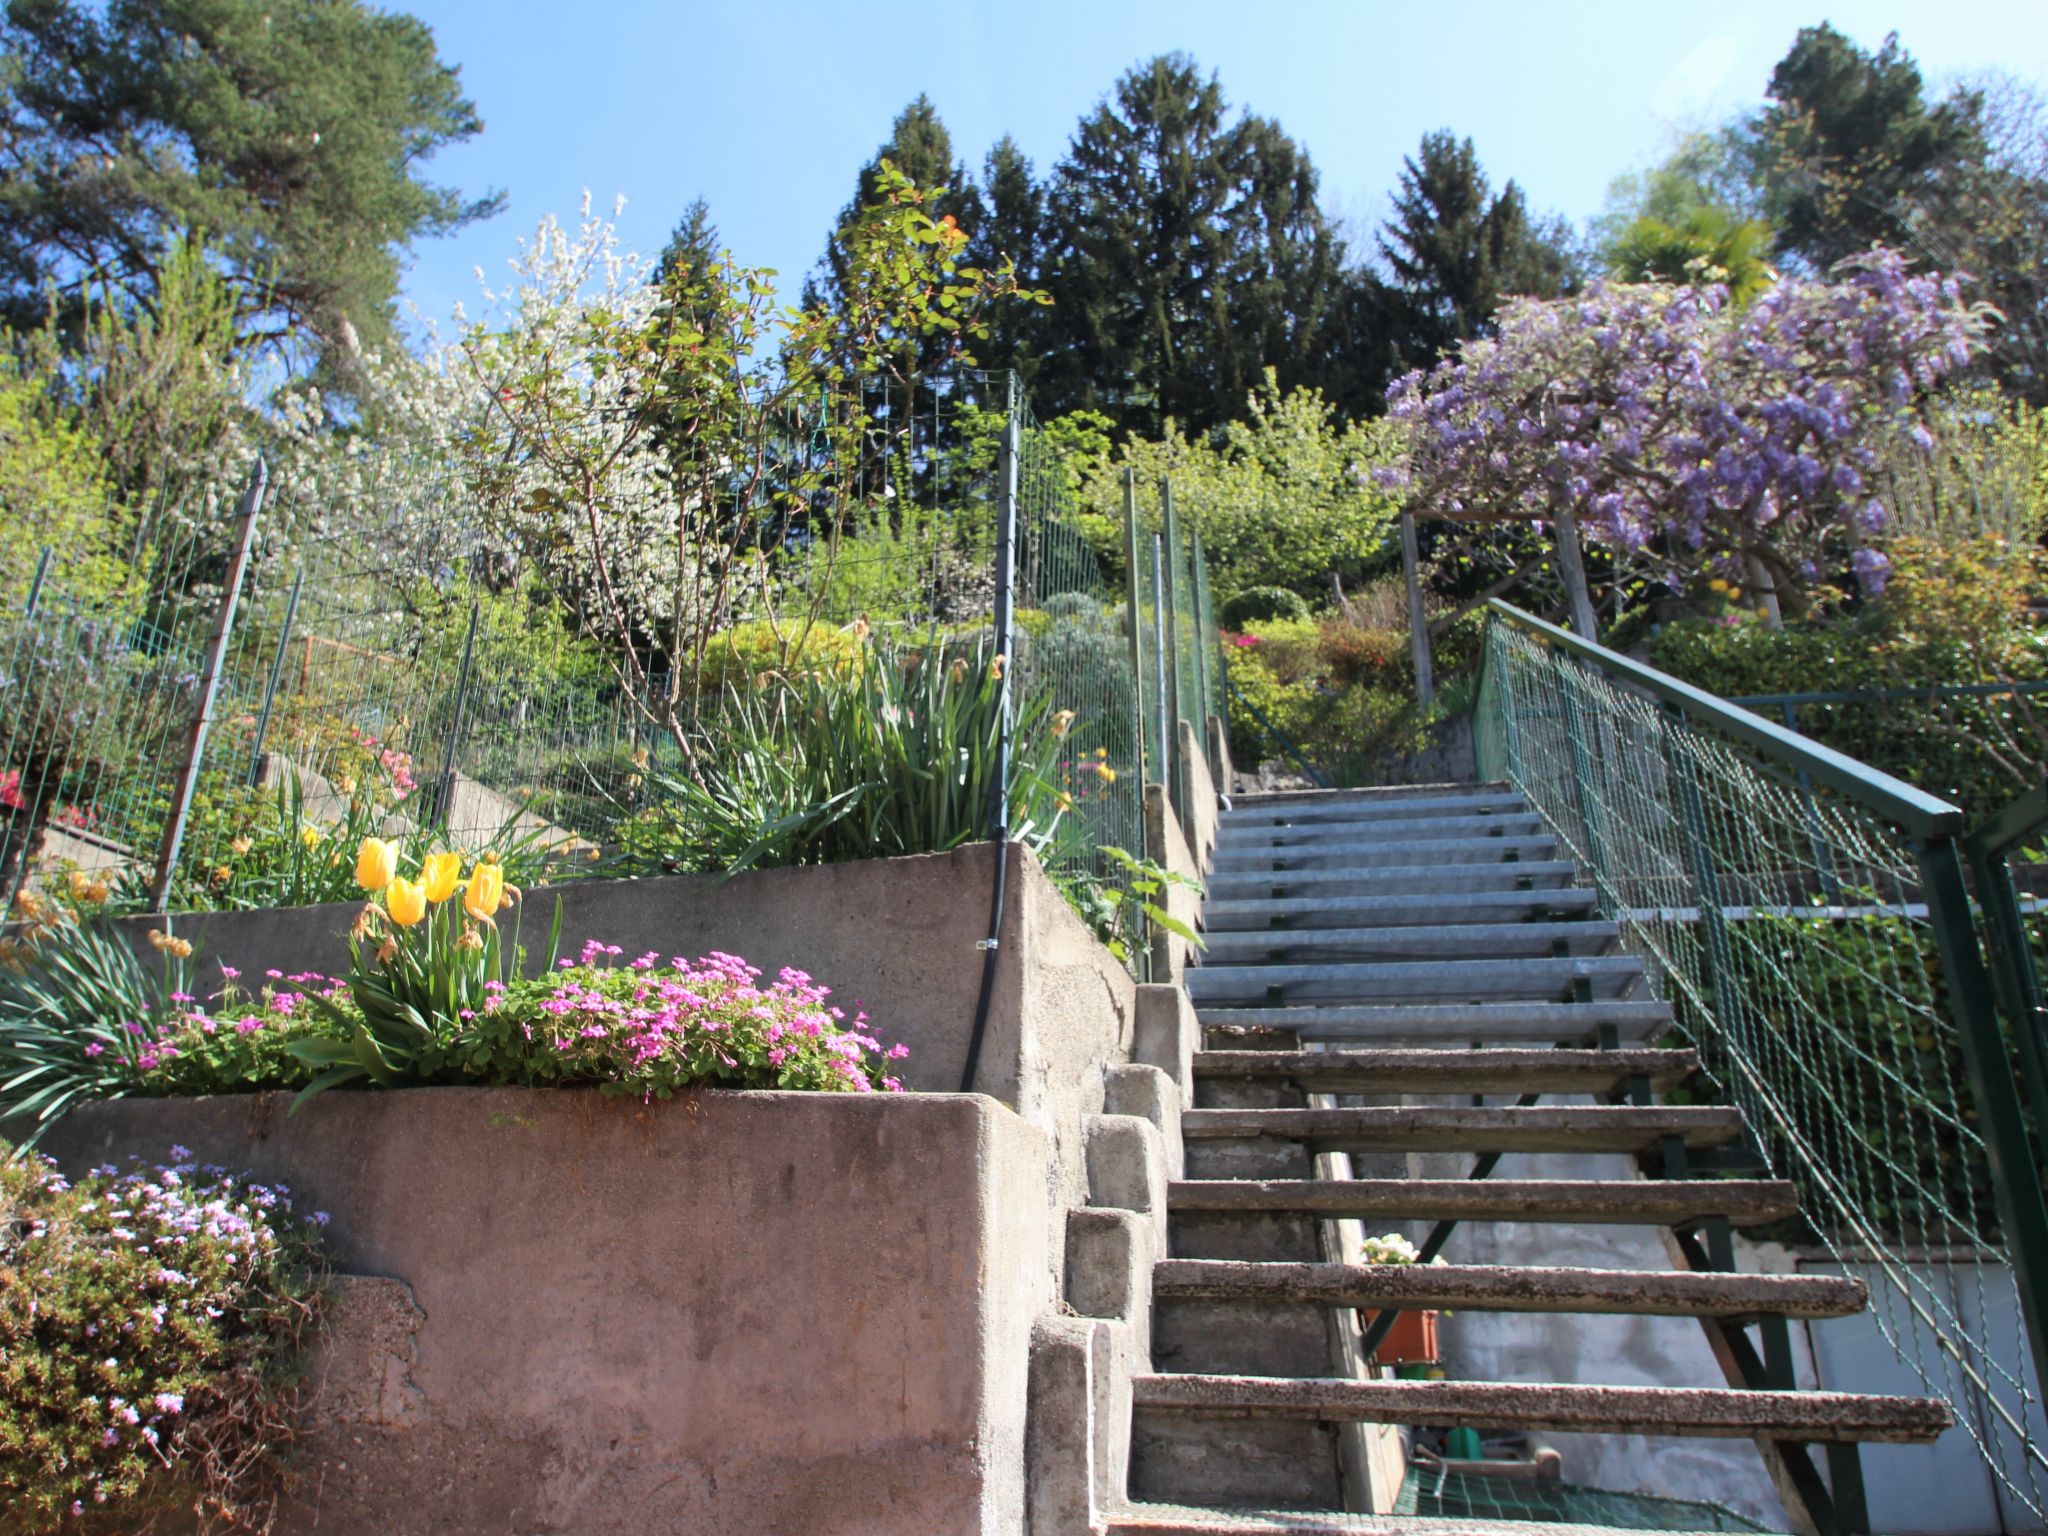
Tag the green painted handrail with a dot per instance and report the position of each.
(1915, 811)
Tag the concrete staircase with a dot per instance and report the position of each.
(1380, 967)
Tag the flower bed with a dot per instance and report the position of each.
(434, 993)
(150, 1324)
(645, 1027)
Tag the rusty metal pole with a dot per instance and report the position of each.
(209, 685)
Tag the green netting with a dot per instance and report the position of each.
(1440, 1493)
(330, 678)
(1786, 926)
(1076, 647)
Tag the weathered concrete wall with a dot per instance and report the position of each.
(731, 1313)
(898, 936)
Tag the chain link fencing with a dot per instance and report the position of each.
(1805, 917)
(343, 705)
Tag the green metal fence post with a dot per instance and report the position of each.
(284, 640)
(35, 585)
(1160, 675)
(1134, 615)
(2006, 939)
(1170, 600)
(2015, 1175)
(1204, 663)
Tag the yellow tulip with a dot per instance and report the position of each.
(376, 864)
(485, 892)
(441, 873)
(405, 900)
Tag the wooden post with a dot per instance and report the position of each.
(1418, 622)
(209, 686)
(1764, 588)
(1571, 565)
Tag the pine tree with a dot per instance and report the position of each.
(920, 147)
(1849, 145)
(1455, 250)
(1012, 230)
(1185, 254)
(289, 134)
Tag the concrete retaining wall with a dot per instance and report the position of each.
(900, 937)
(731, 1313)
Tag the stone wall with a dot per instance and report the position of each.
(729, 1313)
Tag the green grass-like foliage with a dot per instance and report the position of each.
(78, 1009)
(895, 754)
(150, 1325)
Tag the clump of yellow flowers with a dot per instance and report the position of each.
(408, 899)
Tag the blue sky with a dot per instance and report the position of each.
(767, 108)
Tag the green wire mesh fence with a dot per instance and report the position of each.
(1073, 652)
(343, 706)
(1819, 955)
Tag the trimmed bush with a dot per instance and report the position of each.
(1254, 604)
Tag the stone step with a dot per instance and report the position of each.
(1416, 880)
(1463, 1023)
(1505, 1070)
(1805, 1417)
(1267, 946)
(1398, 910)
(1502, 823)
(1384, 852)
(1511, 1128)
(1421, 981)
(1512, 1288)
(1149, 1519)
(1402, 800)
(1608, 1202)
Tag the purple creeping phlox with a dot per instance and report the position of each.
(649, 1028)
(142, 1315)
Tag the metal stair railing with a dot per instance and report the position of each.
(1808, 918)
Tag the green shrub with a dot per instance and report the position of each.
(1951, 615)
(1255, 603)
(150, 1327)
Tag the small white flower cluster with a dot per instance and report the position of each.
(1392, 1248)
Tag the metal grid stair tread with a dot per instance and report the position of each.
(1291, 801)
(1712, 1412)
(1513, 1288)
(1385, 851)
(1419, 879)
(1464, 1021)
(1398, 910)
(1536, 1128)
(1649, 1202)
(1509, 1069)
(1364, 981)
(1419, 941)
(1488, 823)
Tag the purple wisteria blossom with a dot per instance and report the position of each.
(1698, 434)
